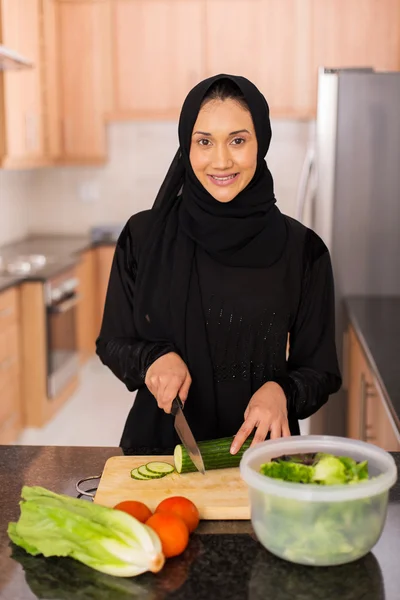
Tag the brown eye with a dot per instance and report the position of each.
(238, 141)
(201, 142)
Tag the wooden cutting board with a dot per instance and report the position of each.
(219, 494)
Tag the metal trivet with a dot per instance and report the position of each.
(90, 493)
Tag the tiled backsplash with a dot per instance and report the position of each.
(15, 195)
(73, 199)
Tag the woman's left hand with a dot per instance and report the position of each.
(266, 411)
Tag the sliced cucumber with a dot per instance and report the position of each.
(143, 470)
(215, 453)
(160, 468)
(136, 475)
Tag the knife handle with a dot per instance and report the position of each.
(176, 405)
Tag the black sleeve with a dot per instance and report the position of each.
(313, 370)
(117, 345)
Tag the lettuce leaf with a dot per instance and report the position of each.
(105, 539)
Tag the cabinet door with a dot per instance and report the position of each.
(51, 77)
(357, 389)
(10, 391)
(379, 428)
(86, 317)
(83, 79)
(368, 417)
(350, 33)
(104, 257)
(22, 133)
(267, 41)
(158, 55)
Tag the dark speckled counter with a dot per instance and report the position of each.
(62, 250)
(376, 321)
(223, 560)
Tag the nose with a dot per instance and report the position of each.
(221, 157)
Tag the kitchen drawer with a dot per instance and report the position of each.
(9, 346)
(8, 308)
(10, 428)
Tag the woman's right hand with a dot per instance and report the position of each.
(167, 377)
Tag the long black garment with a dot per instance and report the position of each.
(160, 287)
(248, 314)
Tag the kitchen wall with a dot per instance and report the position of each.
(73, 199)
(15, 194)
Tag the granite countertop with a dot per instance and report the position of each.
(376, 321)
(223, 560)
(62, 250)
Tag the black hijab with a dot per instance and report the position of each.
(249, 231)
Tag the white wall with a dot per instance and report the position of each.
(73, 199)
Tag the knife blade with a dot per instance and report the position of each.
(186, 436)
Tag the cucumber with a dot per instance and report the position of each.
(143, 470)
(215, 455)
(136, 475)
(160, 468)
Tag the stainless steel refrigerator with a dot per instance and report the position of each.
(349, 193)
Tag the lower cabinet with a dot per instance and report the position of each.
(11, 418)
(86, 321)
(369, 418)
(103, 260)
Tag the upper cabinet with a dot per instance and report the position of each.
(21, 102)
(350, 33)
(51, 88)
(268, 41)
(102, 60)
(83, 79)
(158, 55)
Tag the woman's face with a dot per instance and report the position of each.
(223, 151)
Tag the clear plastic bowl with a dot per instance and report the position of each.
(312, 524)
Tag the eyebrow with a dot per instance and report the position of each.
(232, 132)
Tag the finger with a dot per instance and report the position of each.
(184, 391)
(276, 429)
(243, 434)
(261, 433)
(286, 430)
(169, 394)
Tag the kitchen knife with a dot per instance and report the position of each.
(186, 436)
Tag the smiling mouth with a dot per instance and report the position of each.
(223, 179)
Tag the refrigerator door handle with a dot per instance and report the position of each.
(307, 176)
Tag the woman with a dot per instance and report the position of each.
(206, 287)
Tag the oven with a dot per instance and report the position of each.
(61, 296)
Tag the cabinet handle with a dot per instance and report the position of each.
(5, 312)
(366, 391)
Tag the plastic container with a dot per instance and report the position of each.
(313, 524)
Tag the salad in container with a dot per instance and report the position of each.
(318, 500)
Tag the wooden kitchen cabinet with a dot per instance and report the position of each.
(103, 260)
(368, 415)
(10, 393)
(51, 76)
(159, 56)
(83, 79)
(21, 102)
(86, 311)
(270, 43)
(350, 33)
